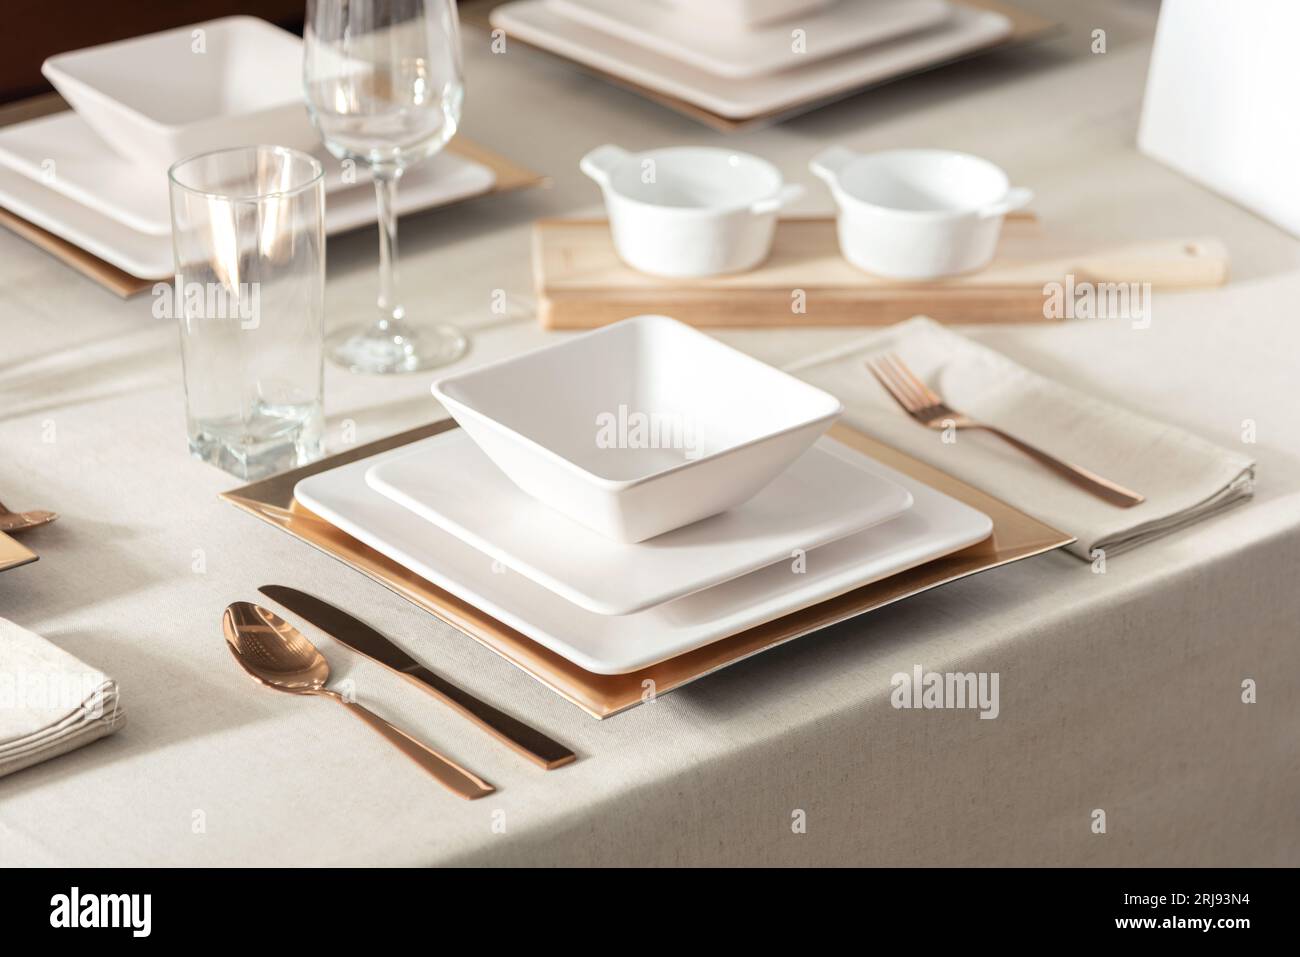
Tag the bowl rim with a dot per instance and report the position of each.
(55, 69)
(620, 485)
(849, 201)
(717, 209)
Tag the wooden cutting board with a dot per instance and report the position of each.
(581, 283)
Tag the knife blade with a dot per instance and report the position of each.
(365, 640)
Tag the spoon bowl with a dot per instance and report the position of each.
(273, 651)
(278, 655)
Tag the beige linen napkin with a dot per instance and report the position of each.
(50, 703)
(1184, 478)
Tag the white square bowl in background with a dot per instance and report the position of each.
(235, 81)
(639, 427)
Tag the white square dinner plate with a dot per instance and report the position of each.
(935, 525)
(87, 197)
(681, 33)
(826, 494)
(62, 152)
(543, 25)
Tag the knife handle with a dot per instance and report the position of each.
(446, 772)
(528, 741)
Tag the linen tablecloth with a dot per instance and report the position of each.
(1120, 692)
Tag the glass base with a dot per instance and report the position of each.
(276, 438)
(380, 353)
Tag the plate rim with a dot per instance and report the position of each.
(603, 603)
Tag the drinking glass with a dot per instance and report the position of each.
(249, 242)
(383, 86)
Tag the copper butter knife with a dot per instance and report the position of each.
(365, 640)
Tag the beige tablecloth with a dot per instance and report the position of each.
(1120, 692)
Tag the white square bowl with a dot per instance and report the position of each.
(639, 427)
(235, 81)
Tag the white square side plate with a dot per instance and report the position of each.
(935, 525)
(538, 23)
(443, 179)
(828, 492)
(740, 54)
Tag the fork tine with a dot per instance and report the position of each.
(884, 377)
(931, 397)
(871, 367)
(913, 397)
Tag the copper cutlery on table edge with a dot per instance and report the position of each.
(11, 522)
(276, 654)
(365, 640)
(927, 407)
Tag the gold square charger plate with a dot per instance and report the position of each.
(1015, 536)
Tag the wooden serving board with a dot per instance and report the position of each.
(581, 283)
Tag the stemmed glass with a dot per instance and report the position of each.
(384, 88)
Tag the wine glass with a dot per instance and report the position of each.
(383, 86)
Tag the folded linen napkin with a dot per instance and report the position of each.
(1184, 478)
(50, 703)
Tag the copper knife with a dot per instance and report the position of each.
(365, 640)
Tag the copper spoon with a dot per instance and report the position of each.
(21, 521)
(280, 657)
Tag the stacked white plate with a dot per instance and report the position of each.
(743, 59)
(158, 98)
(452, 508)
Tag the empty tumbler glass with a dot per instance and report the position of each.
(249, 243)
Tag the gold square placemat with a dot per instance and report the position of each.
(1015, 536)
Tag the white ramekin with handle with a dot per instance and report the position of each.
(917, 213)
(689, 211)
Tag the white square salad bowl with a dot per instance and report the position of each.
(639, 427)
(159, 98)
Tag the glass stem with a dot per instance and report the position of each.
(392, 317)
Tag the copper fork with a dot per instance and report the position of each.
(927, 407)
